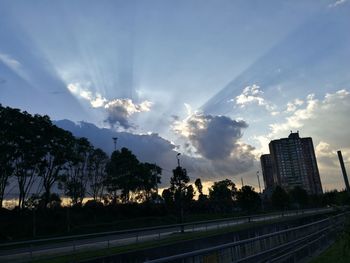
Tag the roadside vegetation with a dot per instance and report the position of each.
(338, 252)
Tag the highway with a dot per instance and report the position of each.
(27, 250)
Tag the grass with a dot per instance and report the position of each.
(338, 252)
(84, 255)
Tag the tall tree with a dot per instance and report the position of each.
(57, 145)
(223, 191)
(7, 150)
(201, 197)
(28, 151)
(222, 195)
(199, 186)
(280, 198)
(248, 199)
(122, 175)
(97, 173)
(149, 178)
(179, 186)
(76, 172)
(178, 183)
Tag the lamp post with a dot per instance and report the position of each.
(115, 139)
(178, 159)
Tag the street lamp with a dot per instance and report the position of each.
(178, 159)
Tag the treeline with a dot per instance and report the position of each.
(36, 153)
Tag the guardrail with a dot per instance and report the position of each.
(17, 251)
(288, 245)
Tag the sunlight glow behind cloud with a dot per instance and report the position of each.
(118, 110)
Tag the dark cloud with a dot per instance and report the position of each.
(214, 137)
(217, 142)
(155, 149)
(118, 115)
(120, 110)
(147, 147)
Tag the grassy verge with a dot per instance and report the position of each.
(83, 255)
(338, 252)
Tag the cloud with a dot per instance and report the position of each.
(120, 110)
(216, 142)
(293, 105)
(10, 62)
(96, 100)
(253, 95)
(323, 149)
(337, 3)
(295, 120)
(214, 137)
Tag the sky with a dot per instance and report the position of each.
(213, 80)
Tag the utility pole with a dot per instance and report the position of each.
(242, 182)
(115, 139)
(346, 181)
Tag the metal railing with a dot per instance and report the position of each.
(282, 246)
(24, 250)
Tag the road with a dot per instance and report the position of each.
(58, 246)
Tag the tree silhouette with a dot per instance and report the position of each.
(222, 194)
(76, 173)
(122, 174)
(168, 197)
(97, 175)
(149, 178)
(56, 144)
(280, 198)
(199, 186)
(7, 150)
(299, 196)
(223, 191)
(248, 199)
(188, 194)
(179, 186)
(178, 183)
(27, 154)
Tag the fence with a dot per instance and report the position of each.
(290, 245)
(50, 247)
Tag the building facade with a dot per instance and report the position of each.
(267, 170)
(292, 162)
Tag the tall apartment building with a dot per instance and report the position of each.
(267, 170)
(292, 163)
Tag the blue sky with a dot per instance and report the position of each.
(200, 74)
